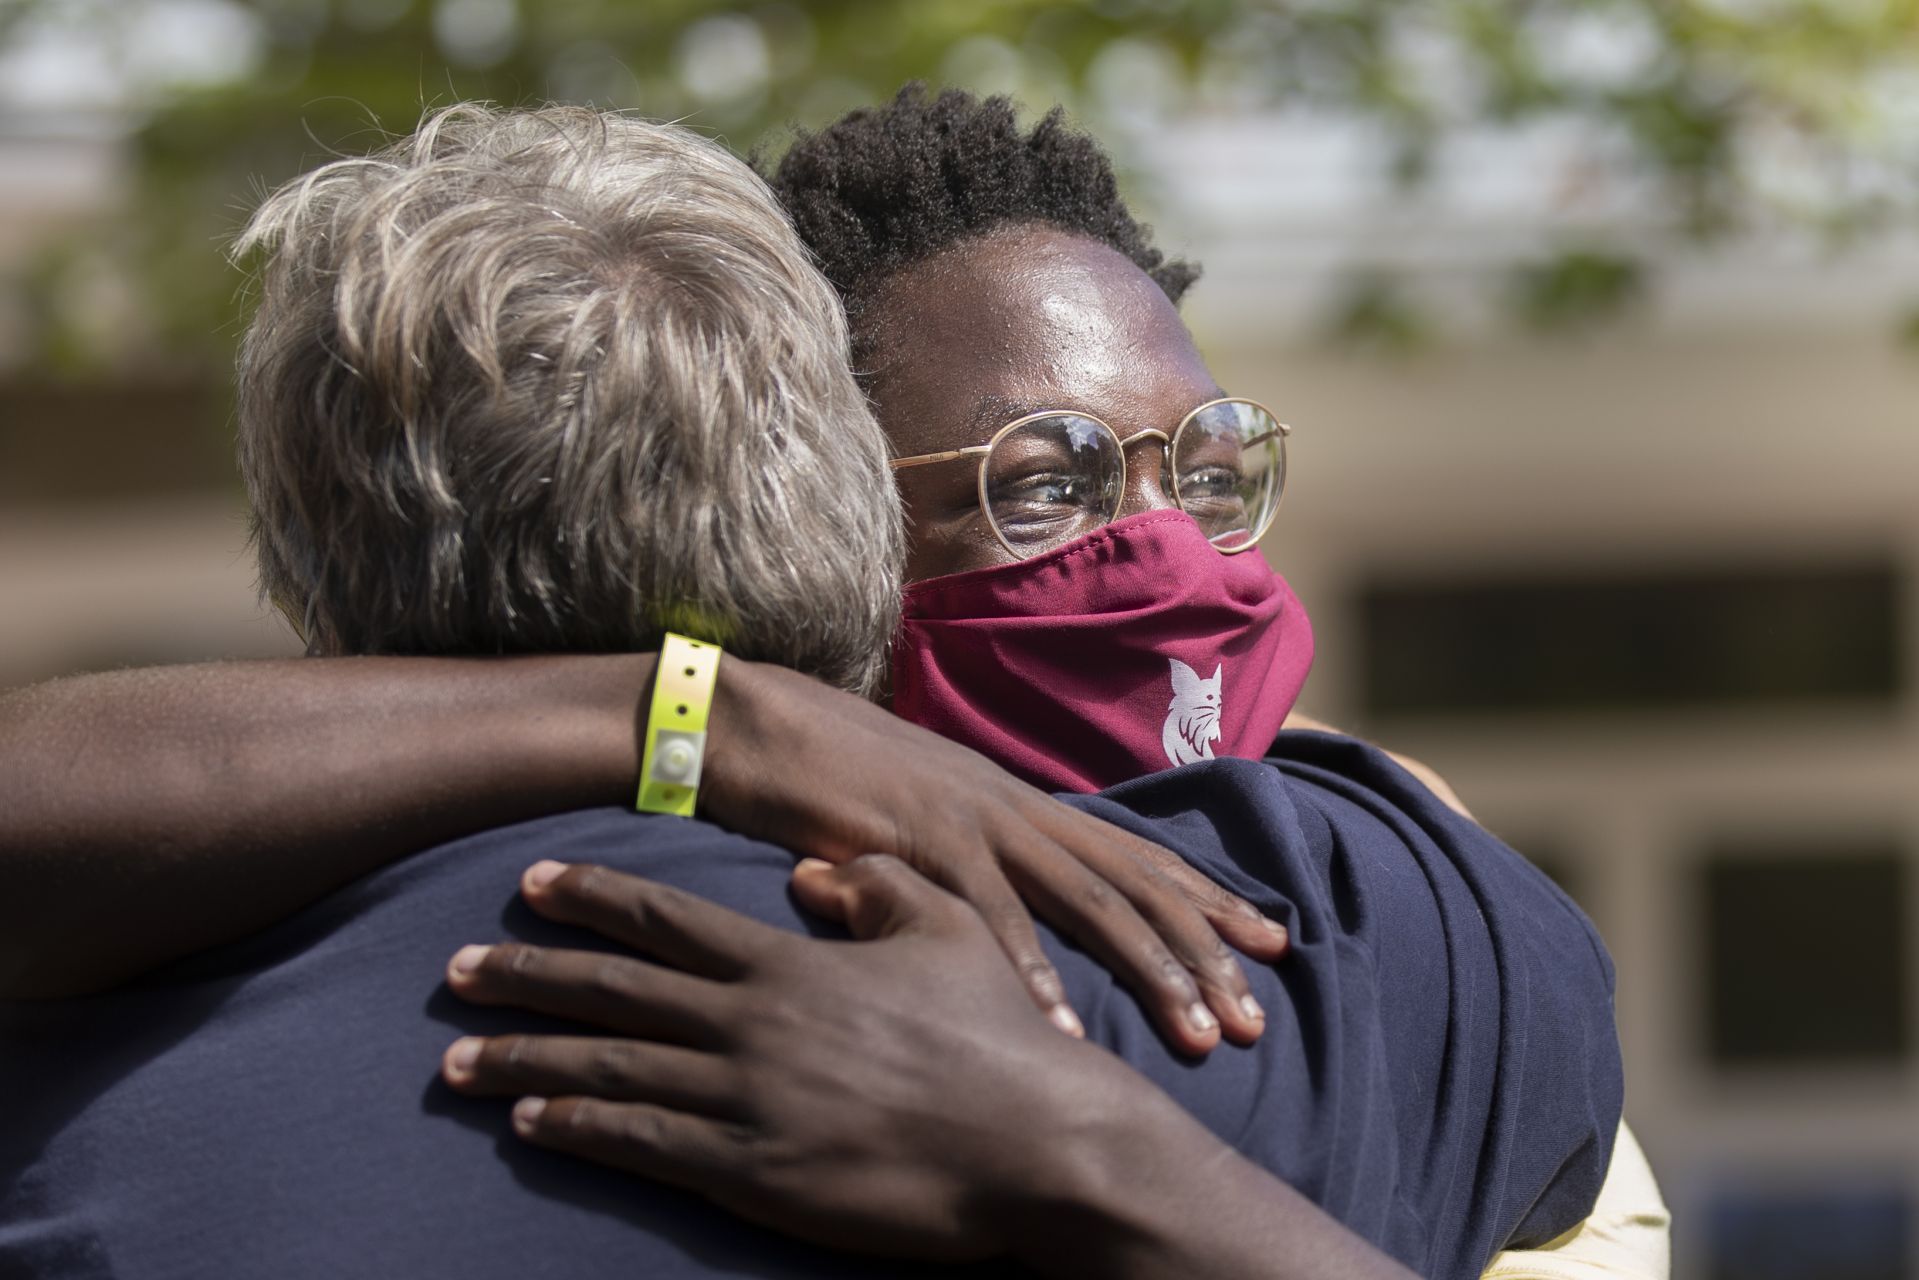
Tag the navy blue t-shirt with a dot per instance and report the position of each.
(1439, 1068)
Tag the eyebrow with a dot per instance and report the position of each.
(992, 411)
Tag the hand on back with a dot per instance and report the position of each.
(834, 777)
(878, 1095)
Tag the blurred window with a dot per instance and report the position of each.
(1805, 955)
(1756, 635)
(1862, 1233)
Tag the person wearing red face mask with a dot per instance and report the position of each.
(1210, 677)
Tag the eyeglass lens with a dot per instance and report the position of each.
(1229, 466)
(1051, 480)
(1058, 477)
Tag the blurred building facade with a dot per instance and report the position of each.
(122, 534)
(1649, 598)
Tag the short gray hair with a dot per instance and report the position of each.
(553, 380)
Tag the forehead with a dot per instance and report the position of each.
(1028, 318)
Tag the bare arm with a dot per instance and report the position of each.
(1160, 1198)
(146, 815)
(149, 814)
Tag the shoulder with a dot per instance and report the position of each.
(656, 845)
(467, 890)
(747, 875)
(1367, 788)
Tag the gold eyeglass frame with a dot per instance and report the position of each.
(983, 451)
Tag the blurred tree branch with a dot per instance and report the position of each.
(15, 12)
(1701, 99)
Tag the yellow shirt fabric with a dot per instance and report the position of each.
(1627, 1237)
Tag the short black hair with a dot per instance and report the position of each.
(884, 187)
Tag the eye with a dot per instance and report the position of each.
(1211, 467)
(1040, 508)
(1052, 478)
(1042, 495)
(1209, 481)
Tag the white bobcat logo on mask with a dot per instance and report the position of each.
(1192, 726)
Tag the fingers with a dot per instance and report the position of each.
(1236, 920)
(1195, 943)
(616, 1070)
(1172, 897)
(616, 992)
(877, 896)
(1188, 989)
(1233, 918)
(984, 885)
(1192, 938)
(686, 932)
(694, 1152)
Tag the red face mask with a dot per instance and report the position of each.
(1130, 650)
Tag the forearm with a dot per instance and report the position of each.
(151, 813)
(1151, 1194)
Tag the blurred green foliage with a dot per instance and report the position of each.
(1579, 287)
(1696, 95)
(1376, 312)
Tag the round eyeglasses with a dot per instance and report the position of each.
(1050, 477)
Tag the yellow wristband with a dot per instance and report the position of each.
(683, 681)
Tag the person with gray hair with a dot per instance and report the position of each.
(523, 383)
(1188, 1202)
(555, 381)
(543, 382)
